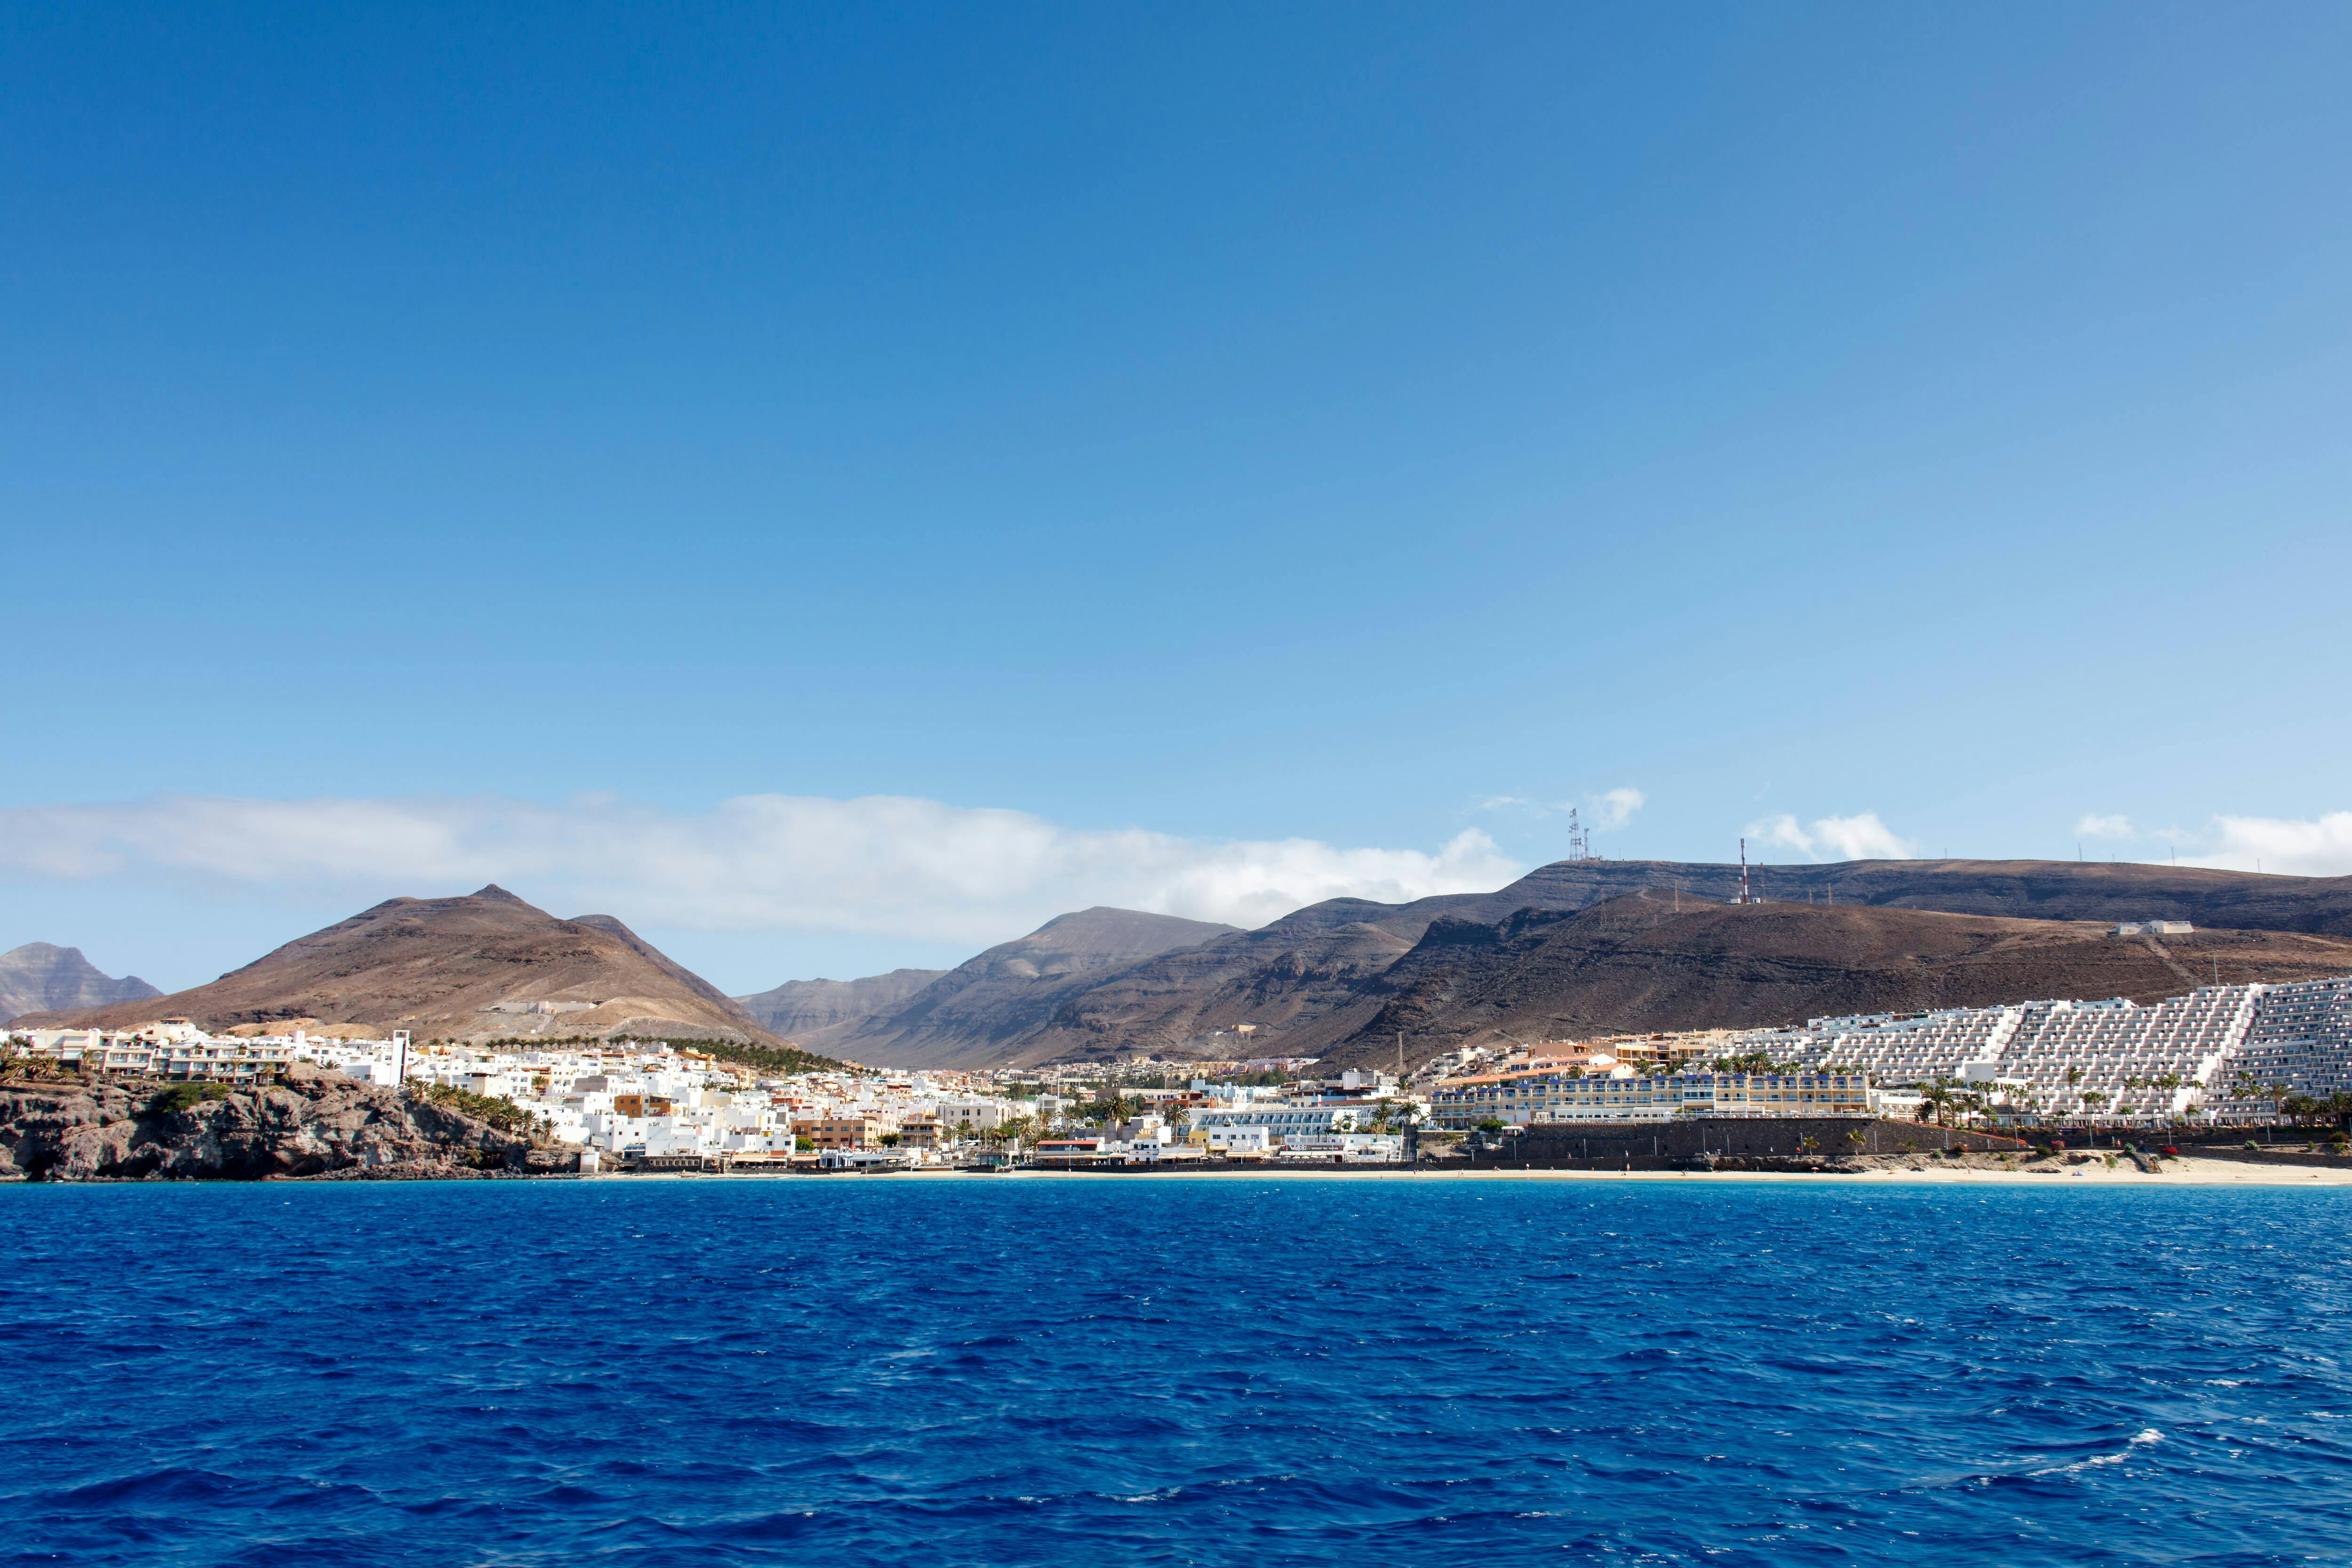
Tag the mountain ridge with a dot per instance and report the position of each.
(440, 968)
(1636, 964)
(38, 978)
(1311, 978)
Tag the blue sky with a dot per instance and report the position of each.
(1205, 458)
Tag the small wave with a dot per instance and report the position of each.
(2148, 1435)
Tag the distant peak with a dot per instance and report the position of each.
(493, 890)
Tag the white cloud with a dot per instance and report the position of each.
(2319, 847)
(1615, 808)
(1609, 809)
(887, 865)
(2095, 826)
(1862, 837)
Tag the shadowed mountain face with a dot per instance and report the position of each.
(433, 965)
(1637, 964)
(978, 1012)
(1313, 979)
(806, 1010)
(37, 978)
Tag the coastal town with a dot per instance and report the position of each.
(2235, 1055)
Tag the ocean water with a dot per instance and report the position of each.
(1168, 1371)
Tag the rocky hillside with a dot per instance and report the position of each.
(982, 1010)
(1638, 963)
(809, 1011)
(316, 1124)
(457, 968)
(1315, 977)
(37, 978)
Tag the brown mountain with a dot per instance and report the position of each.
(37, 978)
(438, 966)
(981, 1012)
(1640, 963)
(806, 1010)
(1314, 977)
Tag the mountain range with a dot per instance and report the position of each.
(37, 978)
(1575, 948)
(986, 1007)
(1320, 980)
(483, 965)
(1638, 963)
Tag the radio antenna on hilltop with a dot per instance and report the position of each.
(1579, 843)
(1745, 896)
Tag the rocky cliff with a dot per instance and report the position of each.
(316, 1124)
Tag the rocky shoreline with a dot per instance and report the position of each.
(312, 1125)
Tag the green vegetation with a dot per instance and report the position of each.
(36, 1069)
(1101, 1112)
(2335, 1108)
(1753, 1061)
(780, 1062)
(182, 1096)
(1266, 1077)
(497, 1110)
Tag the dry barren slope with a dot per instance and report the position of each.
(979, 1012)
(431, 964)
(1637, 964)
(814, 1012)
(1314, 976)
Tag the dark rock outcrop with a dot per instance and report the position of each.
(315, 1123)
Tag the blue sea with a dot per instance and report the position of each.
(1124, 1371)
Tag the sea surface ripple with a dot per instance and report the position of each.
(1132, 1372)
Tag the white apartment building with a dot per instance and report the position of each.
(2300, 1043)
(2049, 1058)
(1282, 1121)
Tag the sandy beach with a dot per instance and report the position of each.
(2185, 1172)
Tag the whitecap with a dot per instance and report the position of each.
(2146, 1434)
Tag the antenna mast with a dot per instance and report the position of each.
(1744, 895)
(1579, 843)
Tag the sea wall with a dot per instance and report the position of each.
(1653, 1145)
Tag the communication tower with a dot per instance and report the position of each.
(1579, 843)
(1745, 895)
